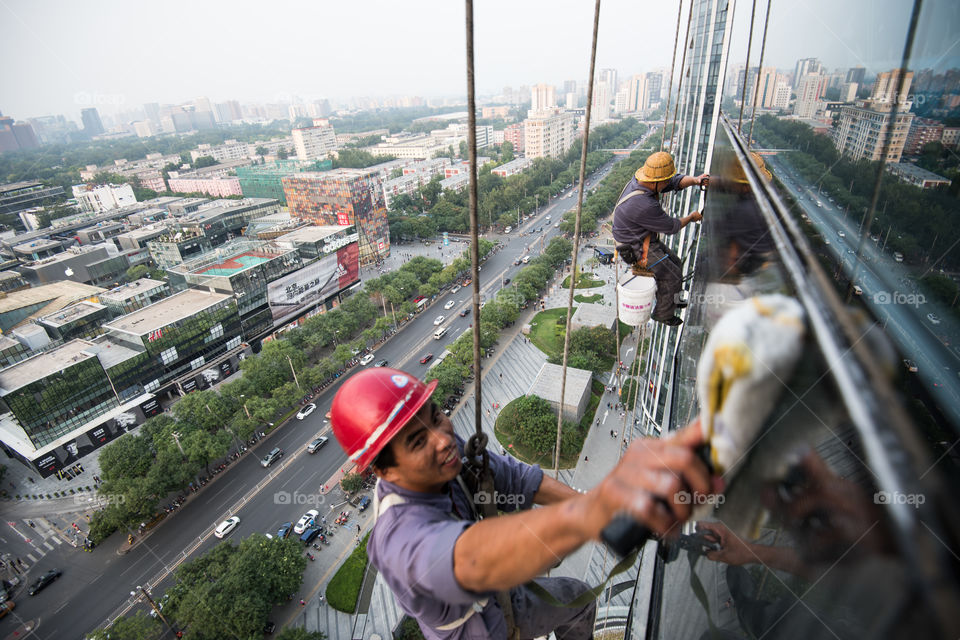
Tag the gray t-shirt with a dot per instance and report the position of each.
(412, 548)
(642, 214)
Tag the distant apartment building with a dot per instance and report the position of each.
(863, 128)
(951, 137)
(917, 176)
(343, 197)
(856, 75)
(512, 168)
(810, 90)
(782, 93)
(315, 142)
(652, 90)
(494, 112)
(923, 131)
(100, 198)
(515, 135)
(217, 187)
(548, 134)
(636, 91)
(542, 97)
(803, 67)
(229, 150)
(602, 96)
(848, 91)
(410, 146)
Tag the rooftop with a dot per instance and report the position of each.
(17, 186)
(167, 311)
(110, 352)
(40, 366)
(130, 290)
(310, 234)
(71, 313)
(37, 243)
(547, 384)
(144, 232)
(913, 171)
(64, 291)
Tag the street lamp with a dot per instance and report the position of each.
(245, 410)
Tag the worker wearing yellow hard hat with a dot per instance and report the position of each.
(638, 218)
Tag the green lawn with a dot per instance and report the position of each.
(585, 281)
(344, 588)
(597, 297)
(546, 332)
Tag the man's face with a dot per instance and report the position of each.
(426, 452)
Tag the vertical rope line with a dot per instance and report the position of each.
(673, 62)
(576, 236)
(746, 70)
(763, 49)
(474, 240)
(683, 64)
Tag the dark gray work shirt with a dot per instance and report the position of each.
(412, 548)
(642, 214)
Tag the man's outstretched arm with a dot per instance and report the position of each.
(500, 553)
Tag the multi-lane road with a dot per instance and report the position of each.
(890, 292)
(96, 586)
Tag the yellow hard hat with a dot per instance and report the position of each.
(658, 167)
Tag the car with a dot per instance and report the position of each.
(455, 289)
(6, 608)
(465, 312)
(911, 365)
(284, 530)
(367, 359)
(225, 527)
(309, 535)
(44, 581)
(556, 225)
(438, 320)
(841, 234)
(307, 410)
(275, 454)
(516, 262)
(467, 282)
(269, 627)
(427, 358)
(449, 304)
(364, 503)
(506, 281)
(305, 521)
(380, 363)
(316, 445)
(547, 218)
(932, 317)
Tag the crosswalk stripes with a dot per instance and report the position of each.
(31, 558)
(48, 546)
(57, 540)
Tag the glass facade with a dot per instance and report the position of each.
(59, 403)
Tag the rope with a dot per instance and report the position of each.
(746, 70)
(683, 63)
(474, 223)
(673, 61)
(576, 237)
(763, 49)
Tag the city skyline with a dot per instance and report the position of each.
(120, 69)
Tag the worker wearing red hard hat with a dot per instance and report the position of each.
(443, 565)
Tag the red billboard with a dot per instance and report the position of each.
(295, 293)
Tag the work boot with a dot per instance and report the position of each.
(672, 321)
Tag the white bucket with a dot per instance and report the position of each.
(637, 294)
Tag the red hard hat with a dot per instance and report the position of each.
(371, 407)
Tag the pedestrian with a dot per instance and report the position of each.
(431, 547)
(611, 434)
(302, 603)
(586, 458)
(358, 529)
(501, 375)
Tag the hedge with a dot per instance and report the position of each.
(344, 588)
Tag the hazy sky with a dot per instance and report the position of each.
(62, 55)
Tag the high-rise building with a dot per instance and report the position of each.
(809, 91)
(548, 134)
(609, 76)
(805, 66)
(864, 127)
(781, 93)
(542, 97)
(848, 91)
(152, 110)
(856, 74)
(92, 125)
(514, 134)
(653, 90)
(767, 79)
(343, 197)
(601, 101)
(922, 132)
(316, 141)
(636, 92)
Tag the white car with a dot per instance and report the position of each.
(367, 359)
(449, 304)
(455, 289)
(305, 521)
(225, 527)
(933, 318)
(307, 410)
(439, 320)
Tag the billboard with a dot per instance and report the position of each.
(294, 293)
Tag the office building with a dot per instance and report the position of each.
(131, 296)
(542, 97)
(343, 197)
(856, 75)
(810, 90)
(636, 93)
(15, 136)
(315, 142)
(92, 125)
(863, 128)
(515, 135)
(104, 197)
(804, 67)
